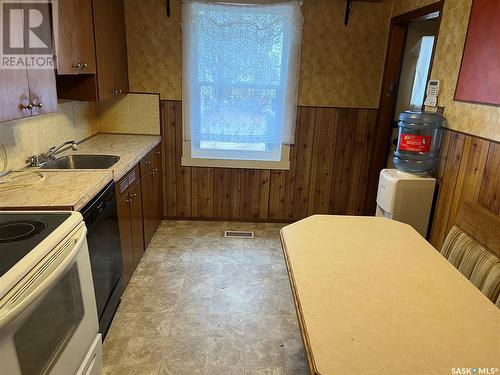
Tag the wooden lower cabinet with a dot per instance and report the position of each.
(151, 183)
(136, 223)
(139, 197)
(124, 219)
(129, 197)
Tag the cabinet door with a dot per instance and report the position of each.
(42, 82)
(67, 51)
(14, 94)
(42, 88)
(147, 203)
(124, 222)
(136, 222)
(104, 46)
(85, 37)
(157, 187)
(120, 48)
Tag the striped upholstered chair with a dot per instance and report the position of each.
(473, 247)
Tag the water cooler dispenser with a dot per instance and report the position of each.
(405, 197)
(405, 194)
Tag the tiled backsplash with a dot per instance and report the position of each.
(134, 114)
(25, 137)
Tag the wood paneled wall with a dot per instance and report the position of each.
(329, 169)
(329, 173)
(469, 169)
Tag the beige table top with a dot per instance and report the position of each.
(374, 297)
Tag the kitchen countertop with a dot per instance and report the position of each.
(74, 188)
(372, 296)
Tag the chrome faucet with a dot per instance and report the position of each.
(39, 160)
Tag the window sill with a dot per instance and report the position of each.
(283, 164)
(240, 164)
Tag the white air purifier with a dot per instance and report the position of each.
(406, 198)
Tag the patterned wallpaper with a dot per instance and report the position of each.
(340, 67)
(154, 47)
(403, 6)
(475, 119)
(133, 114)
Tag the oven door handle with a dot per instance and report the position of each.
(41, 278)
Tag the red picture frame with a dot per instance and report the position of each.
(479, 78)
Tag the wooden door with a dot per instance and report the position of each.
(42, 91)
(120, 48)
(42, 82)
(136, 222)
(147, 198)
(157, 188)
(85, 37)
(104, 47)
(14, 91)
(67, 51)
(124, 221)
(14, 94)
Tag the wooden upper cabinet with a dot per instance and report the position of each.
(42, 90)
(14, 94)
(85, 37)
(75, 54)
(103, 25)
(120, 48)
(67, 52)
(28, 91)
(105, 22)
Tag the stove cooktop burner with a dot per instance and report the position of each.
(20, 230)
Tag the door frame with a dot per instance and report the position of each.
(390, 81)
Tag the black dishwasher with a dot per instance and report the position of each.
(103, 237)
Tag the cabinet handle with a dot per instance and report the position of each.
(115, 92)
(84, 65)
(37, 105)
(77, 66)
(158, 152)
(148, 163)
(133, 195)
(28, 107)
(153, 172)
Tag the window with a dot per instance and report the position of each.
(240, 78)
(421, 72)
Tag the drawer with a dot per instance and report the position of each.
(123, 185)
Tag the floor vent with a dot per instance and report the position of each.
(238, 234)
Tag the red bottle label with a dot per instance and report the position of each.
(415, 143)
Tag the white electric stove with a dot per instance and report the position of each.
(48, 317)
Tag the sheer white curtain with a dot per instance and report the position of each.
(240, 71)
